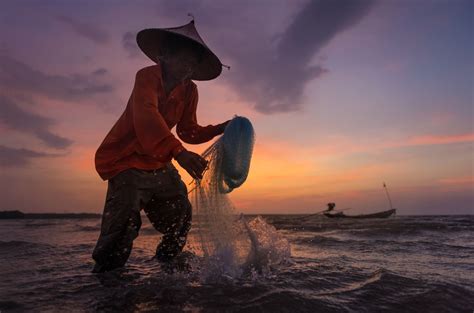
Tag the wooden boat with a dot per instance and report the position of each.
(383, 214)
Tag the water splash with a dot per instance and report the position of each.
(232, 246)
(268, 247)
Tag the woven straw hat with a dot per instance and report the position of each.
(151, 40)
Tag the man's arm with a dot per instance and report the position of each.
(189, 130)
(151, 129)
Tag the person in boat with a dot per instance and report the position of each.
(331, 206)
(135, 156)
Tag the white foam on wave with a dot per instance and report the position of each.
(254, 249)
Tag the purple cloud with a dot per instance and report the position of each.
(85, 30)
(13, 157)
(130, 45)
(17, 75)
(12, 116)
(270, 66)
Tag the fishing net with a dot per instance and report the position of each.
(226, 239)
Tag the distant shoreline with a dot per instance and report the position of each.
(7, 215)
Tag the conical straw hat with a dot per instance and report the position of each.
(150, 41)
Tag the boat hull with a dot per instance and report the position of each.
(383, 214)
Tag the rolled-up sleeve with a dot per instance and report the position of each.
(154, 137)
(188, 129)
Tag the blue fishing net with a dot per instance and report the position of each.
(237, 147)
(231, 154)
(229, 163)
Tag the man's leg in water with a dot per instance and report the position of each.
(120, 222)
(170, 212)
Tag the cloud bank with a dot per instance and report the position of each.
(17, 75)
(85, 30)
(12, 116)
(271, 67)
(12, 157)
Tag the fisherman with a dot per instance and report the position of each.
(135, 156)
(331, 206)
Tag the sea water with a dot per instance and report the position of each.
(298, 264)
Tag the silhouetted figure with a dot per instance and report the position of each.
(135, 156)
(331, 206)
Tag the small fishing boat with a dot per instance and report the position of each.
(340, 214)
(383, 214)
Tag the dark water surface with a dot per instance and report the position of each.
(401, 264)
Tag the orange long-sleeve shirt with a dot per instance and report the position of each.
(141, 137)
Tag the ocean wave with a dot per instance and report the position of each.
(403, 226)
(22, 244)
(345, 266)
(399, 293)
(321, 240)
(353, 286)
(37, 224)
(20, 248)
(10, 306)
(394, 244)
(87, 228)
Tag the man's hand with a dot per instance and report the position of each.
(192, 162)
(222, 127)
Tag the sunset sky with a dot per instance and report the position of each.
(343, 96)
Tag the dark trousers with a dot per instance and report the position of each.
(162, 195)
